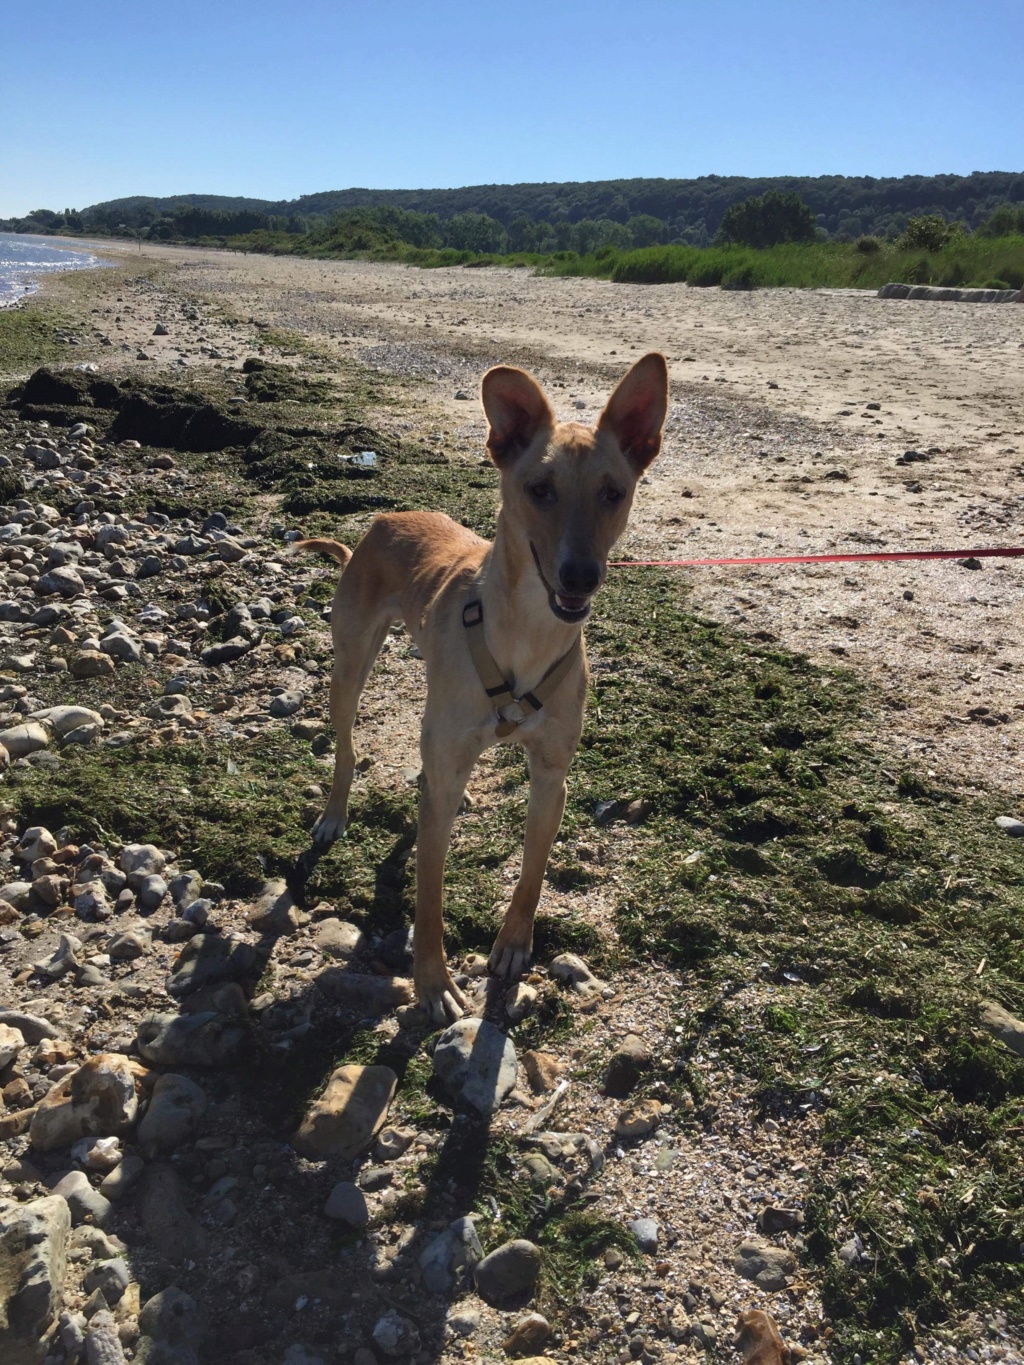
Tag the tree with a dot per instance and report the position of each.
(930, 232)
(767, 220)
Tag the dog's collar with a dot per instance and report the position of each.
(511, 710)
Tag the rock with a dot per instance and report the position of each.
(1003, 1024)
(96, 1100)
(477, 1064)
(170, 707)
(32, 1028)
(297, 1354)
(759, 1341)
(12, 1040)
(166, 1221)
(119, 645)
(353, 1108)
(172, 1317)
(151, 892)
(206, 1039)
(508, 1272)
(767, 1265)
(574, 971)
(645, 1230)
(127, 946)
(33, 1256)
(542, 1070)
(393, 1142)
(450, 1257)
(85, 1203)
(275, 912)
(226, 652)
(346, 1203)
(121, 1179)
(161, 330)
(208, 958)
(520, 1000)
(111, 1277)
(286, 703)
(175, 1109)
(625, 1066)
(639, 1119)
(102, 1343)
(139, 861)
(62, 960)
(396, 1335)
(18, 894)
(464, 1322)
(528, 1335)
(64, 580)
(97, 1154)
(1007, 823)
(22, 740)
(36, 842)
(90, 663)
(338, 938)
(772, 1220)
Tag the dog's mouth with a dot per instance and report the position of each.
(568, 607)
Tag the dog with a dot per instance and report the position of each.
(500, 628)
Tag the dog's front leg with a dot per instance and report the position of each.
(513, 947)
(447, 764)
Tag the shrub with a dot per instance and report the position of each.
(930, 232)
(740, 277)
(868, 246)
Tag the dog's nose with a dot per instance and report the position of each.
(580, 576)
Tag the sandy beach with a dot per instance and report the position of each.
(790, 410)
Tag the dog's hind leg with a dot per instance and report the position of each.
(447, 764)
(354, 653)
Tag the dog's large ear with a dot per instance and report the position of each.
(635, 413)
(516, 411)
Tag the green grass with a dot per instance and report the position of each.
(974, 261)
(971, 261)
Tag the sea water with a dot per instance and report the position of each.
(24, 260)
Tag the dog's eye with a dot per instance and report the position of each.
(541, 491)
(611, 495)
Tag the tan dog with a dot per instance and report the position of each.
(500, 628)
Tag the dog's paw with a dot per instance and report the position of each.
(509, 960)
(440, 997)
(327, 829)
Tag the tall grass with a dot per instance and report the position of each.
(972, 261)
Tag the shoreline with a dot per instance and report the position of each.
(34, 283)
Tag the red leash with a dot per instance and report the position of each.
(1013, 552)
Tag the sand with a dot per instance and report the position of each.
(771, 447)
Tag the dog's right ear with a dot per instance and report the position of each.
(516, 411)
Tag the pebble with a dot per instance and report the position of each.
(83, 1201)
(1007, 823)
(625, 1066)
(509, 1271)
(450, 1257)
(346, 1204)
(175, 1109)
(767, 1265)
(645, 1230)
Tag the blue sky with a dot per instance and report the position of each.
(274, 100)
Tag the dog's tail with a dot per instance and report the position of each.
(334, 548)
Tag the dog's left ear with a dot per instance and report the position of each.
(635, 413)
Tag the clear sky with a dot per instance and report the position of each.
(275, 99)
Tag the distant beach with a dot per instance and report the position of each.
(24, 260)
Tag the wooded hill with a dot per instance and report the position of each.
(689, 211)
